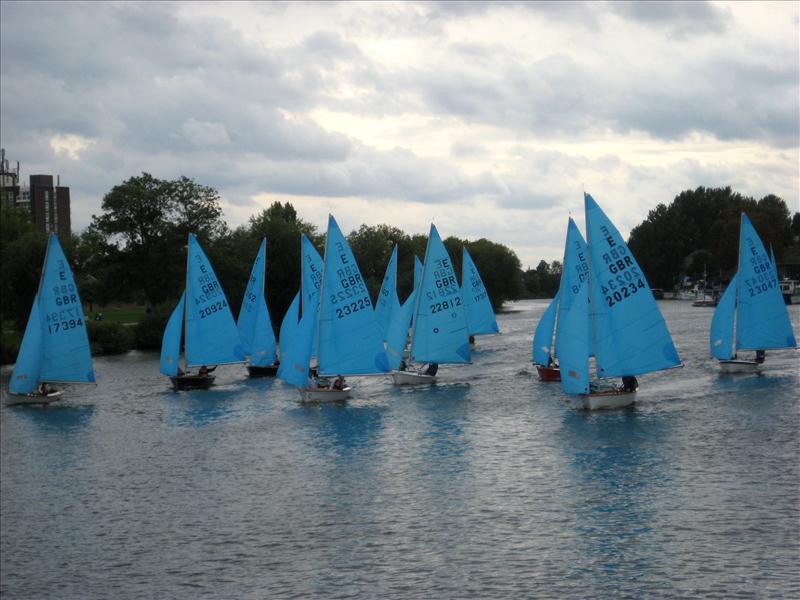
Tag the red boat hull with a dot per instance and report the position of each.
(549, 373)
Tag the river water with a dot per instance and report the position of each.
(486, 485)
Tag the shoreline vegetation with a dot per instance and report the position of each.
(129, 262)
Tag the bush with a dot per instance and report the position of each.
(109, 337)
(150, 328)
(9, 346)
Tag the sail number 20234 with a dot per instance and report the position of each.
(627, 279)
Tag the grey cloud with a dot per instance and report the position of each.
(681, 18)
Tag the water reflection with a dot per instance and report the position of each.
(55, 418)
(200, 408)
(619, 471)
(341, 426)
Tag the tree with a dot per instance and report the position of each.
(148, 220)
(21, 257)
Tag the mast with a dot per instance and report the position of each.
(185, 302)
(738, 288)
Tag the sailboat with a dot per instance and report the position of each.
(543, 355)
(211, 335)
(574, 272)
(612, 315)
(254, 324)
(751, 315)
(349, 338)
(480, 314)
(55, 345)
(704, 299)
(440, 330)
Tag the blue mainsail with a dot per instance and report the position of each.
(171, 342)
(417, 272)
(55, 345)
(67, 356)
(762, 321)
(350, 339)
(721, 334)
(310, 281)
(573, 337)
(480, 314)
(630, 335)
(543, 336)
(388, 301)
(296, 345)
(254, 324)
(311, 275)
(440, 331)
(289, 325)
(397, 335)
(211, 334)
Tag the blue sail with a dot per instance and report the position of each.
(310, 281)
(543, 337)
(721, 333)
(440, 332)
(480, 314)
(630, 335)
(417, 272)
(171, 342)
(254, 324)
(397, 334)
(311, 275)
(289, 325)
(211, 334)
(66, 355)
(763, 321)
(350, 339)
(573, 336)
(388, 301)
(28, 369)
(296, 341)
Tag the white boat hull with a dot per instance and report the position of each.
(739, 366)
(325, 394)
(13, 399)
(412, 378)
(606, 400)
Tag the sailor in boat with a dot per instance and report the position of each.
(204, 371)
(472, 340)
(629, 384)
(432, 369)
(44, 389)
(338, 383)
(761, 355)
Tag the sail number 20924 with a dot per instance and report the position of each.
(209, 310)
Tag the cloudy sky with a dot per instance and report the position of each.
(489, 119)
